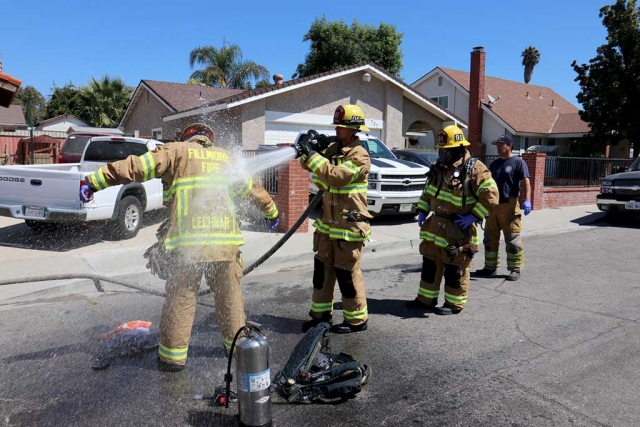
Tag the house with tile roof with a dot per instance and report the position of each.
(275, 114)
(532, 115)
(12, 118)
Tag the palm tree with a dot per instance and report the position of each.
(225, 67)
(530, 58)
(103, 102)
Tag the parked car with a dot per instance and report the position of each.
(422, 157)
(620, 192)
(76, 142)
(45, 196)
(395, 185)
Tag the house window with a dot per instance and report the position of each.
(157, 133)
(526, 142)
(440, 81)
(442, 100)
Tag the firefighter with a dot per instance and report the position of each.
(202, 235)
(459, 192)
(340, 167)
(509, 171)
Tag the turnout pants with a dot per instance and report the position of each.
(178, 310)
(436, 264)
(338, 260)
(506, 218)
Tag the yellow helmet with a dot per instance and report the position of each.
(200, 130)
(451, 137)
(349, 116)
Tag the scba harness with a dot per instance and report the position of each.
(313, 373)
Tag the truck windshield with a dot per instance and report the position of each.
(111, 151)
(376, 149)
(635, 166)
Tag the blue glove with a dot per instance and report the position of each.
(422, 216)
(526, 207)
(273, 223)
(86, 193)
(464, 221)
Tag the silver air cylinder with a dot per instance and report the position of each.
(253, 377)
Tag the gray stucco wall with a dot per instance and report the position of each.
(145, 115)
(253, 124)
(324, 97)
(393, 134)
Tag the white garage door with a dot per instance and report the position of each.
(279, 133)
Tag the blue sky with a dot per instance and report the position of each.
(47, 42)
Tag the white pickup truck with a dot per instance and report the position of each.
(395, 185)
(47, 195)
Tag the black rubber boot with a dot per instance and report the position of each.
(416, 304)
(314, 321)
(446, 309)
(513, 275)
(169, 367)
(347, 328)
(485, 272)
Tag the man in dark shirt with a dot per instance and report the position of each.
(509, 171)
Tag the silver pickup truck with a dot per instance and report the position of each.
(47, 195)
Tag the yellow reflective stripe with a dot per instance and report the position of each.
(173, 353)
(248, 182)
(148, 166)
(475, 240)
(360, 187)
(206, 182)
(449, 197)
(355, 315)
(98, 180)
(340, 233)
(353, 168)
(480, 210)
(455, 300)
(272, 213)
(316, 161)
(320, 183)
(227, 343)
(204, 239)
(321, 307)
(427, 293)
(167, 195)
(431, 237)
(489, 183)
(424, 205)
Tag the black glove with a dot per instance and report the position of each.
(320, 141)
(304, 148)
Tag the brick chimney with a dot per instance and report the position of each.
(277, 79)
(476, 94)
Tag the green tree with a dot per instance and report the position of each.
(610, 83)
(63, 100)
(263, 83)
(33, 104)
(225, 67)
(530, 58)
(336, 44)
(103, 102)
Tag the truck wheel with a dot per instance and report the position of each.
(40, 225)
(129, 218)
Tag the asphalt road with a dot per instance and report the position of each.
(557, 348)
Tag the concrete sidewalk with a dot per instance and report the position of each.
(388, 235)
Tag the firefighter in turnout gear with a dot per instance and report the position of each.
(340, 167)
(459, 192)
(202, 235)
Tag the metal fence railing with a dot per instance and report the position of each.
(268, 178)
(579, 171)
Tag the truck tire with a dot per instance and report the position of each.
(40, 225)
(129, 219)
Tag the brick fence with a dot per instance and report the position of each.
(548, 197)
(293, 195)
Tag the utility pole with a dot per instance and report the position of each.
(31, 144)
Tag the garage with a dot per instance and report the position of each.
(281, 133)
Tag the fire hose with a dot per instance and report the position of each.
(98, 279)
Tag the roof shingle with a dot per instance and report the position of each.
(12, 116)
(526, 107)
(182, 96)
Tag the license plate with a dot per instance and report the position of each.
(34, 211)
(632, 205)
(406, 208)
